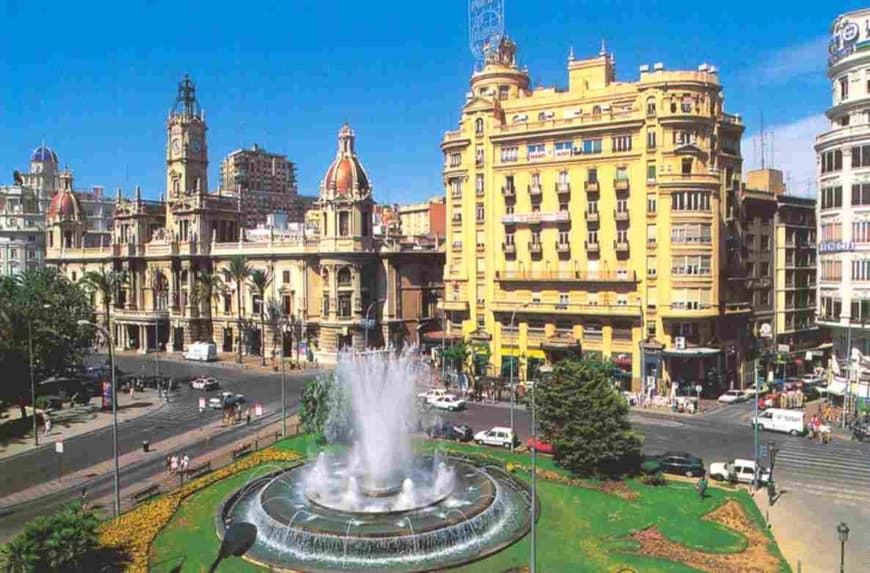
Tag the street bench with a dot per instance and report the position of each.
(199, 470)
(242, 450)
(144, 494)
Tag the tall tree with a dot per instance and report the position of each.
(239, 270)
(260, 281)
(209, 287)
(41, 306)
(586, 419)
(108, 284)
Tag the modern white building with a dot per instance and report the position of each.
(844, 191)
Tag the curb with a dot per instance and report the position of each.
(82, 435)
(264, 421)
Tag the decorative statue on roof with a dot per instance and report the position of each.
(504, 53)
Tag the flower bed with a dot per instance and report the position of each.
(134, 531)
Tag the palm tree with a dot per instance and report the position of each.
(108, 284)
(239, 270)
(210, 286)
(260, 281)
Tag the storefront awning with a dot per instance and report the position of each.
(690, 352)
(435, 336)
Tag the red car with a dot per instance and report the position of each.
(541, 446)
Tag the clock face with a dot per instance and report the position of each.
(176, 145)
(197, 146)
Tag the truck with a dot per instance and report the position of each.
(201, 352)
(780, 420)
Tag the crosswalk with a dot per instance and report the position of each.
(737, 414)
(839, 470)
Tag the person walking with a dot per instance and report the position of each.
(185, 464)
(173, 464)
(702, 486)
(47, 425)
(169, 464)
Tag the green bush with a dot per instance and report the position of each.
(650, 467)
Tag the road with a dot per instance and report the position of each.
(180, 416)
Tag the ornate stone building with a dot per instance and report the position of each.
(324, 281)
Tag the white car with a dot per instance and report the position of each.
(732, 396)
(204, 383)
(448, 402)
(811, 379)
(496, 436)
(738, 470)
(431, 395)
(219, 401)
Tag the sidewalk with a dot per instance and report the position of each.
(78, 420)
(158, 449)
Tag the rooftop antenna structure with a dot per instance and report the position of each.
(485, 27)
(762, 140)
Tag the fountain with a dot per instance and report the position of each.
(378, 506)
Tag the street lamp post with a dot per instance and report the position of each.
(368, 311)
(843, 534)
(542, 372)
(513, 365)
(32, 378)
(284, 326)
(771, 453)
(117, 476)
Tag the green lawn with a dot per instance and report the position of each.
(580, 530)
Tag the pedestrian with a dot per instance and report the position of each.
(47, 425)
(702, 486)
(173, 464)
(132, 390)
(83, 497)
(185, 463)
(248, 417)
(771, 492)
(168, 464)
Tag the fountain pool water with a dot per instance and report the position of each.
(377, 506)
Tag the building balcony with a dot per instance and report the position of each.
(621, 216)
(536, 248)
(457, 221)
(535, 190)
(678, 310)
(509, 191)
(593, 217)
(561, 308)
(626, 277)
(758, 283)
(563, 248)
(563, 188)
(536, 217)
(509, 249)
(592, 247)
(620, 246)
(621, 184)
(592, 187)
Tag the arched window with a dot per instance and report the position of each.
(478, 126)
(344, 277)
(651, 107)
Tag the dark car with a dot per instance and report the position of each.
(681, 463)
(448, 431)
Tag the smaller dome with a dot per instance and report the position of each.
(43, 154)
(346, 174)
(64, 206)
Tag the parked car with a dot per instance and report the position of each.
(732, 396)
(448, 402)
(430, 396)
(540, 446)
(811, 379)
(497, 436)
(206, 383)
(449, 431)
(738, 470)
(681, 463)
(780, 420)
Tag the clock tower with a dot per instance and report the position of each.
(186, 152)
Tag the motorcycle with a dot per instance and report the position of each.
(860, 433)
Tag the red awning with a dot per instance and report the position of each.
(435, 335)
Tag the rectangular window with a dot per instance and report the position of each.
(509, 154)
(832, 197)
(622, 143)
(478, 155)
(344, 308)
(832, 161)
(651, 172)
(455, 159)
(860, 232)
(651, 267)
(651, 233)
(651, 204)
(592, 145)
(844, 87)
(285, 276)
(344, 224)
(650, 138)
(478, 184)
(563, 300)
(592, 237)
(592, 207)
(536, 151)
(621, 174)
(861, 270)
(690, 265)
(592, 175)
(831, 270)
(563, 148)
(861, 194)
(480, 213)
(690, 201)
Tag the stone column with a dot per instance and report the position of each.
(143, 339)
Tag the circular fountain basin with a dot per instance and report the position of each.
(305, 527)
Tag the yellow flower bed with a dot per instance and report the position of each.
(135, 530)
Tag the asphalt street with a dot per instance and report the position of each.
(179, 416)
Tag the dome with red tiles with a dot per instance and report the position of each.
(345, 175)
(64, 206)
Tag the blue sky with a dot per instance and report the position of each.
(95, 79)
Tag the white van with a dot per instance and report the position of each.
(778, 420)
(201, 352)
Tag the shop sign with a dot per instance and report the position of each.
(836, 246)
(783, 348)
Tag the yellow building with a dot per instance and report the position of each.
(591, 220)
